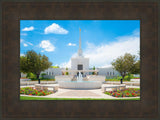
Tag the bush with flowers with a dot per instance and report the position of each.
(32, 91)
(129, 92)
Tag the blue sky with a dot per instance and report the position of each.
(102, 40)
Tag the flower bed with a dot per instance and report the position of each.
(32, 91)
(130, 92)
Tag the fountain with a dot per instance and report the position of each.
(80, 83)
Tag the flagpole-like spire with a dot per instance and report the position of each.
(79, 38)
(80, 49)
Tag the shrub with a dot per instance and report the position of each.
(31, 76)
(43, 74)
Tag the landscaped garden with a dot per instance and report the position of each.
(129, 92)
(128, 77)
(32, 91)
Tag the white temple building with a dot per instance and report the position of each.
(80, 62)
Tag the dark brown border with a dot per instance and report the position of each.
(12, 12)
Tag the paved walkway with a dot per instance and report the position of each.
(71, 93)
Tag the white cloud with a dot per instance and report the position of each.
(25, 45)
(71, 44)
(22, 55)
(47, 46)
(103, 55)
(65, 64)
(28, 28)
(56, 29)
(24, 34)
(21, 40)
(30, 43)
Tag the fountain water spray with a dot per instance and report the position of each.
(79, 77)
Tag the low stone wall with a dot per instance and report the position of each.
(135, 80)
(26, 83)
(96, 78)
(63, 78)
(45, 87)
(113, 87)
(127, 83)
(81, 85)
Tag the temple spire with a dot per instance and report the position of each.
(80, 49)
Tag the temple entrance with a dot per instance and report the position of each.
(80, 67)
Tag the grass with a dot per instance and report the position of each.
(43, 80)
(115, 80)
(42, 98)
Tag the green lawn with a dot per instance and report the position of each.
(42, 98)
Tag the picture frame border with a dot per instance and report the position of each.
(12, 50)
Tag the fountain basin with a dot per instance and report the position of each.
(80, 84)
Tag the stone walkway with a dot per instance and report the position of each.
(72, 93)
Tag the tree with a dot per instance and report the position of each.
(67, 72)
(34, 63)
(124, 64)
(93, 73)
(136, 68)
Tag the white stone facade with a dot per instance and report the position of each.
(108, 71)
(80, 61)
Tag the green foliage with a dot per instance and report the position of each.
(93, 73)
(118, 78)
(124, 64)
(136, 68)
(43, 74)
(66, 72)
(31, 76)
(54, 66)
(34, 63)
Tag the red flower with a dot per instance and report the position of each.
(132, 93)
(30, 94)
(127, 93)
(36, 93)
